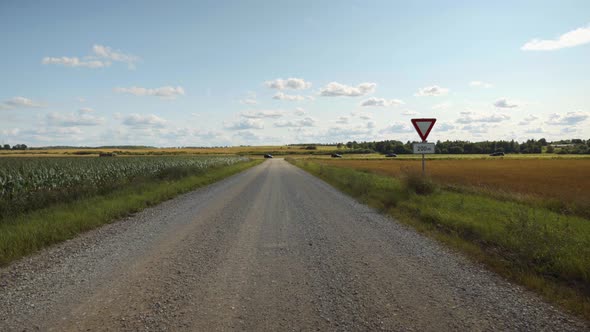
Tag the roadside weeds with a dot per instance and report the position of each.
(543, 250)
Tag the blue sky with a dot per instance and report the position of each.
(209, 73)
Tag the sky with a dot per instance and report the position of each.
(217, 73)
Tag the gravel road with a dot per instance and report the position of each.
(269, 249)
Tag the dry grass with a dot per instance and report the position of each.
(560, 180)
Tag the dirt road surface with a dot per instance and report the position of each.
(270, 249)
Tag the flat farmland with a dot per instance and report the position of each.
(565, 180)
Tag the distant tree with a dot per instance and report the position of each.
(543, 142)
(550, 149)
(20, 147)
(6, 147)
(339, 145)
(456, 150)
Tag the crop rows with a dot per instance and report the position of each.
(25, 179)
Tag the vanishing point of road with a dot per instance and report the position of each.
(269, 249)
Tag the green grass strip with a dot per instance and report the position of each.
(33, 231)
(543, 250)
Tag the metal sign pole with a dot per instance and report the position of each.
(423, 166)
(423, 171)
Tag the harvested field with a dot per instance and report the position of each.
(564, 180)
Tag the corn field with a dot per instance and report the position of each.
(27, 183)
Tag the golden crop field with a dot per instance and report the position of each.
(562, 179)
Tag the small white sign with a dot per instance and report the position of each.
(423, 148)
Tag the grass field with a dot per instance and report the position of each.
(562, 183)
(545, 250)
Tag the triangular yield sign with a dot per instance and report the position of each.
(423, 127)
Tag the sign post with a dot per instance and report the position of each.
(423, 127)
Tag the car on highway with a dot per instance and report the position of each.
(336, 155)
(497, 154)
(391, 155)
(268, 155)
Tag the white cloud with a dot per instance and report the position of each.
(19, 102)
(281, 96)
(472, 117)
(75, 62)
(106, 52)
(165, 92)
(569, 119)
(248, 101)
(245, 124)
(572, 38)
(10, 132)
(503, 103)
(409, 113)
(305, 122)
(103, 57)
(396, 128)
(263, 114)
(371, 124)
(290, 83)
(335, 89)
(480, 84)
(569, 130)
(187, 135)
(444, 126)
(528, 119)
(299, 111)
(342, 120)
(248, 136)
(476, 129)
(537, 130)
(142, 121)
(49, 133)
(347, 132)
(73, 119)
(86, 110)
(434, 90)
(442, 106)
(362, 115)
(381, 102)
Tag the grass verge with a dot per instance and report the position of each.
(545, 251)
(35, 230)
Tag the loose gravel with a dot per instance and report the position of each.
(272, 248)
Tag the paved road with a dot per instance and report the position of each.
(270, 249)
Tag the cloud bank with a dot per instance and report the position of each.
(572, 38)
(335, 89)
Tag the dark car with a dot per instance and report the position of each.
(268, 155)
(336, 155)
(497, 154)
(391, 155)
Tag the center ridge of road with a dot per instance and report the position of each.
(270, 249)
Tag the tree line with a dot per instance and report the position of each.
(575, 146)
(15, 147)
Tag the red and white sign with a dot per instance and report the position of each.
(423, 127)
